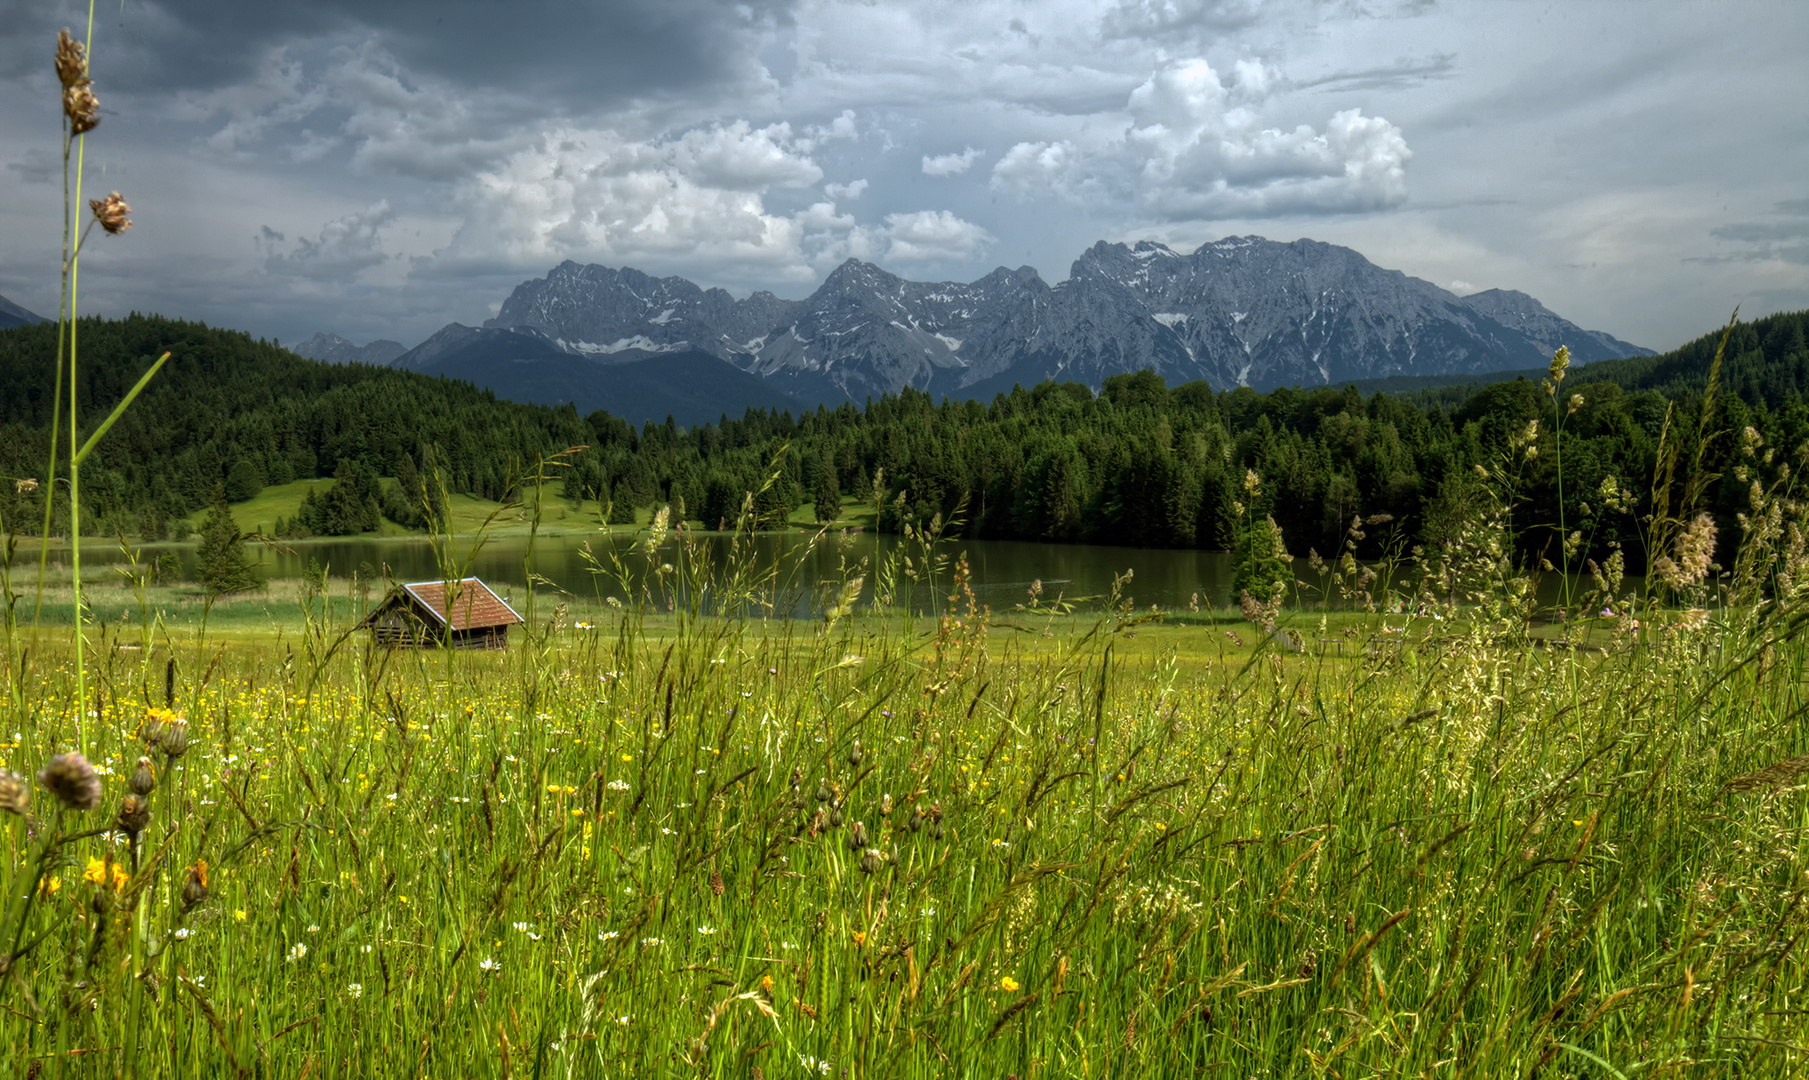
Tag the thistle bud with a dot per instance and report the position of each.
(855, 755)
(134, 815)
(837, 816)
(823, 792)
(916, 823)
(174, 738)
(144, 778)
(71, 779)
(194, 888)
(871, 861)
(857, 837)
(797, 776)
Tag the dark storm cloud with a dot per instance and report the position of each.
(600, 51)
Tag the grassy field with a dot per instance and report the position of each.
(703, 843)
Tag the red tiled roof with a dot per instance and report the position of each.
(473, 603)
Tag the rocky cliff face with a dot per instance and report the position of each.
(1239, 311)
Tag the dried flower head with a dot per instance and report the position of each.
(71, 779)
(144, 778)
(25, 486)
(82, 107)
(111, 213)
(72, 60)
(15, 793)
(871, 861)
(854, 755)
(857, 837)
(134, 815)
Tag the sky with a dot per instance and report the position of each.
(379, 169)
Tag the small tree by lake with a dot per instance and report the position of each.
(222, 564)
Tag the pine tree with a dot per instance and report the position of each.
(222, 565)
(828, 495)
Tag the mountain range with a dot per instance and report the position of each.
(1242, 311)
(333, 349)
(12, 315)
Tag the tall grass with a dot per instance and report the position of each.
(703, 841)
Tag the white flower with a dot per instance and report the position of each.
(487, 964)
(365, 948)
(607, 935)
(183, 933)
(354, 990)
(617, 785)
(623, 1019)
(706, 931)
(313, 929)
(297, 951)
(652, 942)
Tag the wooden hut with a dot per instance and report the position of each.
(415, 616)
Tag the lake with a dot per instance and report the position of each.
(1002, 570)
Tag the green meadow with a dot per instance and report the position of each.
(1038, 842)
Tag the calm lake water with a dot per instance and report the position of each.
(1002, 570)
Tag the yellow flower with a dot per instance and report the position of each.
(860, 937)
(102, 872)
(50, 886)
(1009, 985)
(766, 983)
(239, 915)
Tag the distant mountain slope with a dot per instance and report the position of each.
(12, 315)
(1240, 311)
(689, 385)
(333, 349)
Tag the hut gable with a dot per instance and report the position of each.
(418, 615)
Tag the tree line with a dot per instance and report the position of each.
(1138, 463)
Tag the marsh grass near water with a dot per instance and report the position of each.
(704, 843)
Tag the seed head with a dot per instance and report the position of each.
(871, 861)
(72, 60)
(837, 816)
(857, 837)
(15, 793)
(144, 778)
(111, 213)
(823, 792)
(174, 737)
(885, 804)
(855, 755)
(134, 815)
(82, 107)
(71, 779)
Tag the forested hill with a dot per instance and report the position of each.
(227, 409)
(1139, 464)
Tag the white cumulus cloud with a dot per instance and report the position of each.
(346, 246)
(950, 164)
(934, 235)
(1196, 148)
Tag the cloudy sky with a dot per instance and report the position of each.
(378, 169)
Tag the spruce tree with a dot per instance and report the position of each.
(828, 495)
(222, 565)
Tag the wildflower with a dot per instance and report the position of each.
(1009, 985)
(871, 861)
(766, 985)
(111, 213)
(706, 931)
(15, 794)
(49, 887)
(297, 951)
(71, 779)
(239, 915)
(860, 937)
(857, 836)
(182, 933)
(487, 965)
(354, 990)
